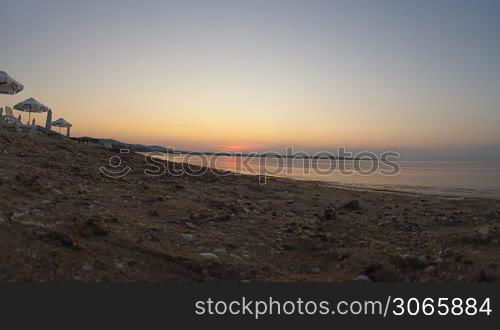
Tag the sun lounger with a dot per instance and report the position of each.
(9, 117)
(9, 120)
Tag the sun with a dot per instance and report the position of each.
(235, 147)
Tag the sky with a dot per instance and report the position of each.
(418, 77)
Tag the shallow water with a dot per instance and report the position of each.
(466, 179)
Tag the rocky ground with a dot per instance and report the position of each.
(62, 220)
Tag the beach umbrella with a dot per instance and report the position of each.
(9, 85)
(31, 105)
(62, 123)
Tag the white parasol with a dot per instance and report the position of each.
(61, 122)
(9, 85)
(31, 105)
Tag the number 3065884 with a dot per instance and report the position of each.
(441, 306)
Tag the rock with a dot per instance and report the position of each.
(488, 274)
(430, 269)
(490, 215)
(119, 264)
(153, 238)
(208, 255)
(486, 230)
(92, 228)
(188, 237)
(380, 273)
(362, 278)
(153, 213)
(235, 256)
(352, 205)
(17, 215)
(467, 262)
(410, 262)
(423, 259)
(88, 267)
(194, 216)
(229, 206)
(222, 218)
(61, 238)
(82, 191)
(343, 256)
(132, 262)
(221, 251)
(330, 214)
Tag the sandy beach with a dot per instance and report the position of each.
(62, 220)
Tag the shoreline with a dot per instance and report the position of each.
(410, 190)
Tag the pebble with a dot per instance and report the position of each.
(422, 259)
(221, 251)
(188, 237)
(362, 278)
(153, 213)
(486, 230)
(430, 269)
(490, 215)
(17, 215)
(119, 265)
(488, 274)
(407, 261)
(88, 267)
(208, 255)
(330, 214)
(352, 205)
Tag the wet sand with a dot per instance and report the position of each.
(62, 220)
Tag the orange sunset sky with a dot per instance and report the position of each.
(260, 75)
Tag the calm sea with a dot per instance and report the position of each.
(465, 179)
